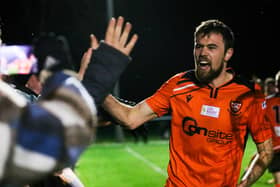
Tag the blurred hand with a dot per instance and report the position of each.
(87, 56)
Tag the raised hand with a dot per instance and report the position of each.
(87, 56)
(117, 35)
(93, 42)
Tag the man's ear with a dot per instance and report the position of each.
(228, 54)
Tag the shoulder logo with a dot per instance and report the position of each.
(235, 106)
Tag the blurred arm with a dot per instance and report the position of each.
(87, 56)
(265, 152)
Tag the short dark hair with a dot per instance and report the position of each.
(216, 26)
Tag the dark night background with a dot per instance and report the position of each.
(165, 29)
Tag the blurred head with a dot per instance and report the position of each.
(0, 33)
(277, 81)
(269, 86)
(1, 76)
(52, 52)
(0, 36)
(213, 47)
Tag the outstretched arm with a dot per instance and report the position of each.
(130, 116)
(264, 157)
(109, 59)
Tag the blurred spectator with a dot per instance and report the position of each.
(46, 136)
(19, 83)
(43, 132)
(34, 84)
(273, 118)
(259, 81)
(269, 86)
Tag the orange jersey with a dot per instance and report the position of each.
(273, 118)
(209, 127)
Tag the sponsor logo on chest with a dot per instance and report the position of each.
(210, 111)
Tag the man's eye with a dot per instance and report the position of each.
(212, 47)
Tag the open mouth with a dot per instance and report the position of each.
(203, 64)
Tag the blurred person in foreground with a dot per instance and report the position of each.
(40, 138)
(20, 84)
(213, 109)
(29, 86)
(273, 118)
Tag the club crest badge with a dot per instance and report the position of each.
(235, 106)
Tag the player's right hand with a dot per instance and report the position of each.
(117, 36)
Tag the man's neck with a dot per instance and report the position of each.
(221, 79)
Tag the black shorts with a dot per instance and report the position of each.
(274, 166)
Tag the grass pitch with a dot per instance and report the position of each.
(136, 165)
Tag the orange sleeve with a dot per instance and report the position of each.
(160, 100)
(260, 130)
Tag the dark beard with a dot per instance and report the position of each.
(206, 77)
